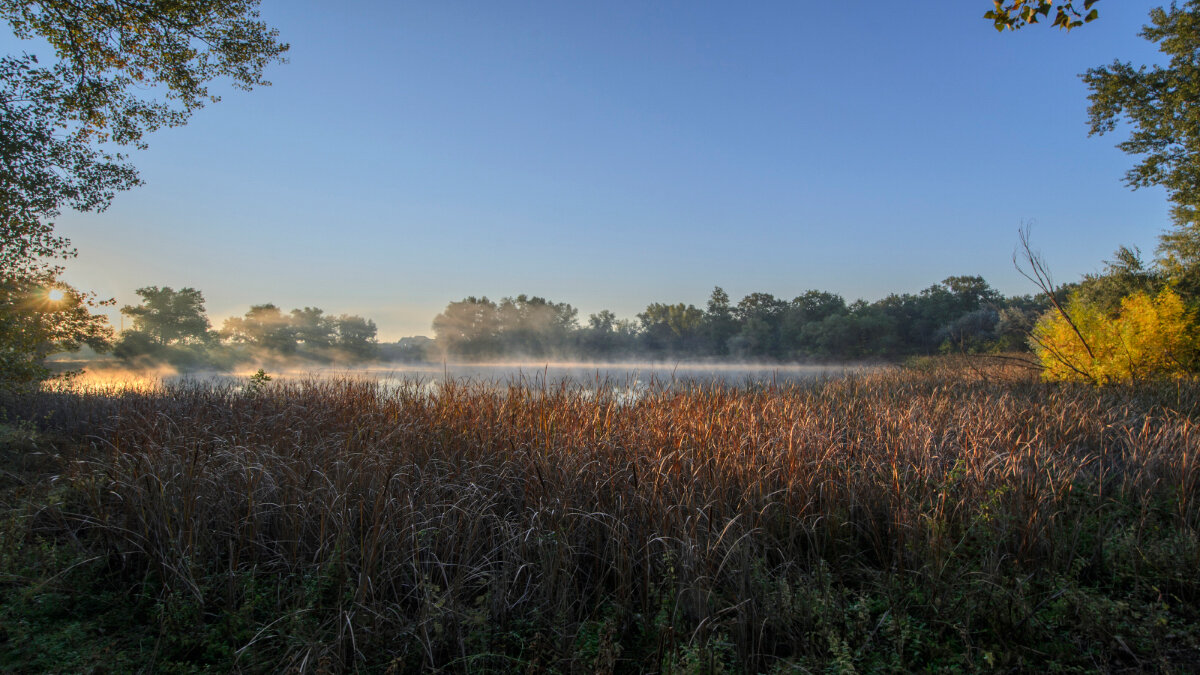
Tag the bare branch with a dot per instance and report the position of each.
(1039, 274)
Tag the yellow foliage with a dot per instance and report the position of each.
(1150, 336)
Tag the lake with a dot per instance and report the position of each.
(626, 376)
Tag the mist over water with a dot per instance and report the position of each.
(628, 376)
(583, 372)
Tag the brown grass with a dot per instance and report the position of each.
(473, 526)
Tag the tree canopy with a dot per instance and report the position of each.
(1161, 107)
(169, 316)
(1161, 104)
(263, 326)
(60, 116)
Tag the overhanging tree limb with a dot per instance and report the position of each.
(1014, 14)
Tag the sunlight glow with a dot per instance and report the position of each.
(55, 294)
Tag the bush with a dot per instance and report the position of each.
(1148, 337)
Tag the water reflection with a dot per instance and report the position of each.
(626, 381)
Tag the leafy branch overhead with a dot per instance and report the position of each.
(110, 51)
(1160, 106)
(120, 69)
(1014, 14)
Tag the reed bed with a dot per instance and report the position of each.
(893, 521)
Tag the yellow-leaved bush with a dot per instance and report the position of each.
(1150, 336)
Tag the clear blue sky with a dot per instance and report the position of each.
(612, 154)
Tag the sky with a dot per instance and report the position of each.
(614, 154)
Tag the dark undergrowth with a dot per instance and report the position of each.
(965, 520)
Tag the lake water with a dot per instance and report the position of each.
(554, 373)
(630, 378)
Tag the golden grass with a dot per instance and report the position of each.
(438, 513)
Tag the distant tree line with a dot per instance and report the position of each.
(172, 327)
(959, 314)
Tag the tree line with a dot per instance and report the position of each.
(171, 327)
(1134, 320)
(961, 313)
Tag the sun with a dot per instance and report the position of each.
(55, 294)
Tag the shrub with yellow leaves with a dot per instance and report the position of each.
(1149, 337)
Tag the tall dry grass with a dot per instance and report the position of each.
(473, 526)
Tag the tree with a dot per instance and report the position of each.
(865, 329)
(606, 335)
(468, 328)
(1014, 14)
(803, 314)
(602, 322)
(263, 327)
(971, 292)
(534, 325)
(355, 336)
(39, 317)
(60, 116)
(760, 316)
(719, 324)
(170, 317)
(1162, 105)
(168, 326)
(1123, 276)
(972, 332)
(111, 56)
(313, 329)
(1178, 260)
(45, 169)
(673, 328)
(816, 305)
